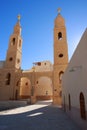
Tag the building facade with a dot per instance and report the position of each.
(74, 84)
(43, 81)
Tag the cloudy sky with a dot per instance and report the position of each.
(37, 21)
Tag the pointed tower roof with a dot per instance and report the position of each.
(17, 27)
(59, 21)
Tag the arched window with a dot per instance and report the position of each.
(69, 102)
(82, 106)
(8, 79)
(60, 76)
(13, 41)
(59, 36)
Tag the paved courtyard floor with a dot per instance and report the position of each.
(40, 116)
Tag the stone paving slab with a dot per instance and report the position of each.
(41, 116)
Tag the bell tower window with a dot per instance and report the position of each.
(59, 36)
(13, 41)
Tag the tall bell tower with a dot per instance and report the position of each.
(13, 61)
(14, 52)
(60, 57)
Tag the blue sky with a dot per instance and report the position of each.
(37, 21)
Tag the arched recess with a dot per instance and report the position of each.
(44, 88)
(82, 106)
(24, 88)
(60, 76)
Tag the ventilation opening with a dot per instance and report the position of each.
(61, 55)
(10, 59)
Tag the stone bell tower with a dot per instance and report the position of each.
(60, 57)
(14, 52)
(13, 60)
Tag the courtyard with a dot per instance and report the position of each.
(40, 116)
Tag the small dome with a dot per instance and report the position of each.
(59, 21)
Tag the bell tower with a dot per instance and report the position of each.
(60, 57)
(14, 52)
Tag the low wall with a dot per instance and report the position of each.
(42, 97)
(5, 105)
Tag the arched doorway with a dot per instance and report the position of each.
(17, 90)
(82, 106)
(44, 88)
(25, 88)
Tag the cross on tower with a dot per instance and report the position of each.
(19, 17)
(59, 10)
